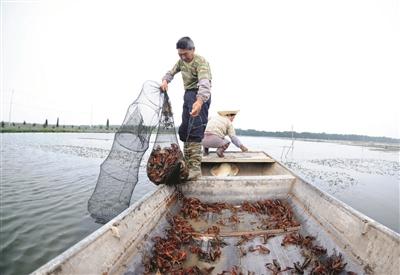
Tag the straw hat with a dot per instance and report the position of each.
(225, 113)
(224, 169)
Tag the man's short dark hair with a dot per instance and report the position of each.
(185, 43)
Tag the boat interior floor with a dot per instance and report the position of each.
(235, 241)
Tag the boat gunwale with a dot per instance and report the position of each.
(366, 219)
(354, 212)
(56, 263)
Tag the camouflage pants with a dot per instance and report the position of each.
(192, 152)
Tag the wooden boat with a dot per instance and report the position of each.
(122, 245)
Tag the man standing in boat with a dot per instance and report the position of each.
(196, 75)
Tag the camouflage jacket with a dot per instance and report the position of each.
(195, 74)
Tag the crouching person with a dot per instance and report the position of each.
(217, 128)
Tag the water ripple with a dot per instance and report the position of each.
(47, 180)
(369, 166)
(332, 181)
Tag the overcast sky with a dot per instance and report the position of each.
(316, 66)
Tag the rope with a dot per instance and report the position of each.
(190, 126)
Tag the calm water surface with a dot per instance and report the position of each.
(47, 178)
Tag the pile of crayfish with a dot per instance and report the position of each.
(281, 215)
(171, 254)
(166, 164)
(315, 256)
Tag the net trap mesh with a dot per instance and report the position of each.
(118, 176)
(166, 162)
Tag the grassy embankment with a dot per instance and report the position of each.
(380, 143)
(41, 128)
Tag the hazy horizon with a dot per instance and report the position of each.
(237, 128)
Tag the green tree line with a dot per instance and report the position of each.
(308, 135)
(45, 127)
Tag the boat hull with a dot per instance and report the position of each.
(120, 246)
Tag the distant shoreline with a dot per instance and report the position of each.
(319, 136)
(40, 128)
(376, 146)
(381, 143)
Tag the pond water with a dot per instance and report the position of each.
(47, 179)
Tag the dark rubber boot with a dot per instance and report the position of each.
(221, 150)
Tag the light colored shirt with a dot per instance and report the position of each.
(196, 75)
(222, 126)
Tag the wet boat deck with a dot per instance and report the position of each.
(238, 157)
(249, 245)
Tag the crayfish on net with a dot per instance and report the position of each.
(167, 165)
